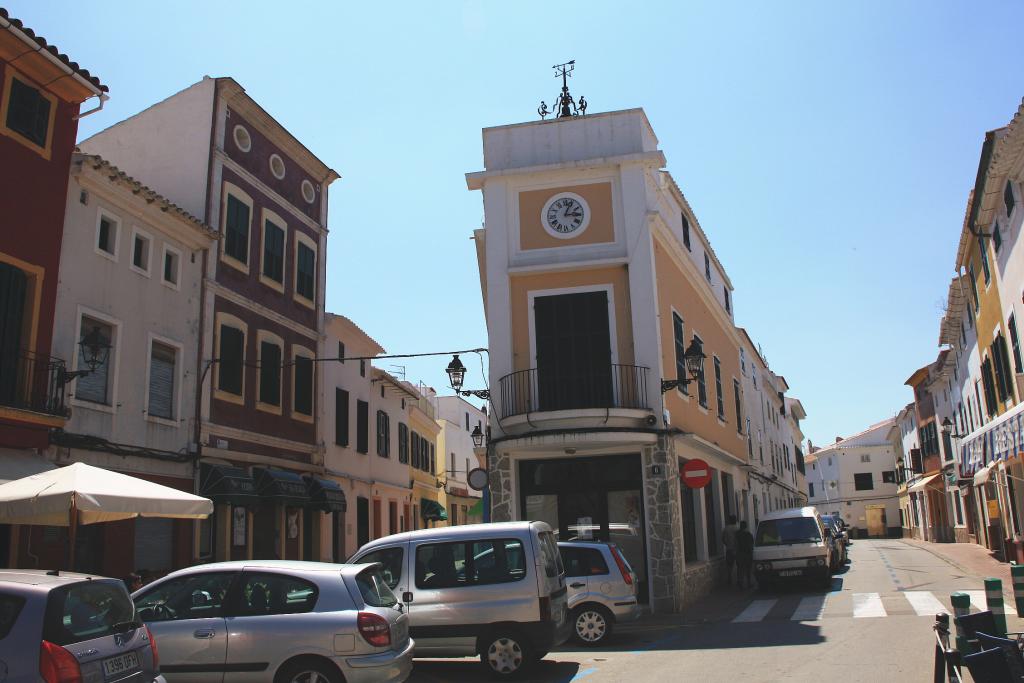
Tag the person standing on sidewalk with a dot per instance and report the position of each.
(744, 555)
(729, 541)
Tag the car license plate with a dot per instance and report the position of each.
(120, 664)
(790, 572)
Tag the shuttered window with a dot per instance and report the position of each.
(362, 426)
(236, 230)
(403, 443)
(983, 251)
(1004, 376)
(1015, 343)
(686, 232)
(303, 385)
(718, 389)
(1008, 201)
(162, 364)
(341, 417)
(433, 462)
(273, 252)
(95, 387)
(739, 408)
(702, 387)
(383, 434)
(28, 112)
(232, 349)
(988, 381)
(415, 450)
(305, 277)
(270, 373)
(680, 346)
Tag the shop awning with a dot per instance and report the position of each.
(923, 483)
(325, 495)
(224, 484)
(1000, 439)
(432, 511)
(281, 486)
(17, 464)
(981, 476)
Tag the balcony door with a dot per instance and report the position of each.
(574, 355)
(13, 288)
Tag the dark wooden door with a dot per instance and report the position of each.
(13, 286)
(573, 351)
(362, 521)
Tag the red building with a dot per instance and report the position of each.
(41, 101)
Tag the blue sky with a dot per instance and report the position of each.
(827, 148)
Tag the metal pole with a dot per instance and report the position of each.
(72, 533)
(994, 601)
(1017, 574)
(961, 607)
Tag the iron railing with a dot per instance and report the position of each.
(32, 381)
(543, 389)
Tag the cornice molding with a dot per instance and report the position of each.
(235, 298)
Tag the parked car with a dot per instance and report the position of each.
(60, 626)
(793, 544)
(839, 540)
(290, 622)
(496, 591)
(602, 589)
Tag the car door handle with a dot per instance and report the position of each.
(577, 585)
(204, 633)
(406, 597)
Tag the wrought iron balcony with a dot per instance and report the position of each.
(559, 388)
(31, 381)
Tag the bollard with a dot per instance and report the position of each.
(961, 606)
(994, 601)
(1017, 574)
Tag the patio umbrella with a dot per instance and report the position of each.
(83, 494)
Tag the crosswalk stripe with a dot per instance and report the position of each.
(868, 605)
(755, 611)
(925, 603)
(810, 608)
(978, 601)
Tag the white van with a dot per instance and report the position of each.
(793, 544)
(496, 591)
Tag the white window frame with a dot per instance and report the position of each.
(267, 336)
(246, 133)
(136, 233)
(115, 347)
(230, 321)
(102, 213)
(179, 352)
(168, 249)
(270, 163)
(298, 351)
(265, 215)
(245, 198)
(309, 242)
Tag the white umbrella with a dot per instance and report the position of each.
(83, 494)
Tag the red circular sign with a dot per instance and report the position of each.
(696, 474)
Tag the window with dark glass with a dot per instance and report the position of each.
(1008, 201)
(707, 266)
(232, 343)
(107, 235)
(303, 385)
(273, 252)
(718, 389)
(680, 346)
(728, 303)
(997, 237)
(341, 417)
(236, 230)
(362, 426)
(974, 288)
(270, 373)
(263, 594)
(470, 563)
(341, 352)
(95, 386)
(686, 233)
(28, 112)
(305, 276)
(162, 364)
(863, 481)
(383, 434)
(702, 388)
(1004, 375)
(403, 443)
(739, 408)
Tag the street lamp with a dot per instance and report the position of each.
(478, 436)
(693, 359)
(947, 429)
(456, 374)
(95, 349)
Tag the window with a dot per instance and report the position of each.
(341, 352)
(95, 387)
(305, 269)
(888, 476)
(680, 345)
(392, 560)
(196, 596)
(265, 593)
(863, 481)
(580, 562)
(997, 238)
(728, 303)
(866, 457)
(162, 371)
(362, 426)
(308, 192)
(403, 443)
(718, 389)
(958, 502)
(686, 233)
(467, 422)
(341, 417)
(1008, 201)
(983, 251)
(85, 610)
(172, 266)
(383, 434)
(230, 359)
(739, 409)
(1015, 343)
(29, 112)
(270, 372)
(1001, 358)
(303, 389)
(988, 382)
(810, 489)
(433, 461)
(362, 367)
(963, 335)
(106, 235)
(707, 266)
(236, 230)
(242, 138)
(702, 389)
(273, 253)
(469, 563)
(415, 450)
(141, 247)
(974, 289)
(277, 166)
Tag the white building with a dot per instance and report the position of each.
(458, 418)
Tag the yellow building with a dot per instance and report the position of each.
(429, 503)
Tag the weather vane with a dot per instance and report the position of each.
(564, 103)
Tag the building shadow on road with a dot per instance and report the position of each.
(436, 671)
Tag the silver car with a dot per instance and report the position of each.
(602, 589)
(289, 622)
(59, 626)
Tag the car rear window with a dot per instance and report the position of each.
(549, 554)
(10, 608)
(374, 589)
(87, 610)
(583, 561)
(787, 531)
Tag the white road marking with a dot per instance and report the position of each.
(755, 611)
(868, 605)
(925, 604)
(979, 602)
(810, 608)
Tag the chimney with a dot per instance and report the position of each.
(838, 439)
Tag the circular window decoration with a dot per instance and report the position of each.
(242, 138)
(277, 166)
(308, 193)
(565, 215)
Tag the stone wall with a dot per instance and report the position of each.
(664, 526)
(500, 485)
(700, 579)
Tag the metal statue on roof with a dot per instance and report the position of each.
(565, 105)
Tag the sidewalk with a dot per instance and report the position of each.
(969, 558)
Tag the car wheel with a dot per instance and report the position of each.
(308, 671)
(591, 624)
(506, 654)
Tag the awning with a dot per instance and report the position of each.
(325, 495)
(981, 476)
(432, 511)
(16, 464)
(1000, 439)
(281, 486)
(924, 482)
(224, 484)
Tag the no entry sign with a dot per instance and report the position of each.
(696, 474)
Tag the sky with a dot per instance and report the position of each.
(826, 148)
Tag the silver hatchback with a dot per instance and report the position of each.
(72, 627)
(602, 589)
(289, 622)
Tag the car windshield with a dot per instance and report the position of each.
(788, 531)
(374, 590)
(88, 610)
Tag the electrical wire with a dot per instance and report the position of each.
(342, 359)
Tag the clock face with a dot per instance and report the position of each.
(566, 215)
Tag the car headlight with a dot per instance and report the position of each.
(821, 561)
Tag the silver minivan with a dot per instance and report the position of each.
(496, 591)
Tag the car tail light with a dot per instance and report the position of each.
(57, 665)
(627, 575)
(545, 608)
(374, 629)
(152, 644)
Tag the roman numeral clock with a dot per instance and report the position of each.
(565, 215)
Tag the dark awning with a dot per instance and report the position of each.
(325, 495)
(281, 486)
(432, 511)
(227, 485)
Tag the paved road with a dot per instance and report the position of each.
(874, 624)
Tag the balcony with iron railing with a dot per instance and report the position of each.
(33, 382)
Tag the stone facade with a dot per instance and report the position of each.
(500, 485)
(664, 526)
(701, 579)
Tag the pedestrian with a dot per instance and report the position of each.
(133, 581)
(729, 541)
(744, 555)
